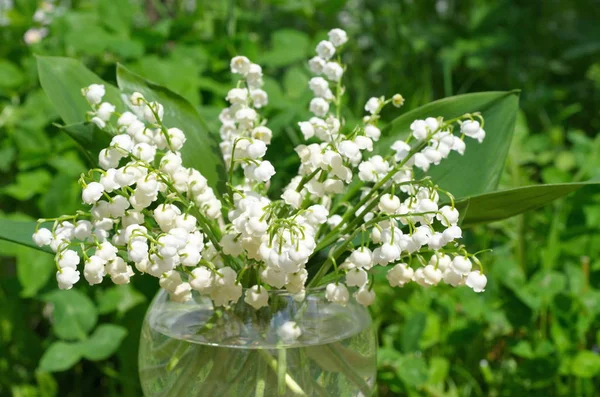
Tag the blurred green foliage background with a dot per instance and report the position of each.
(535, 331)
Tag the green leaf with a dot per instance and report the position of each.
(295, 82)
(523, 349)
(586, 364)
(28, 184)
(438, 370)
(7, 156)
(10, 75)
(47, 385)
(560, 337)
(74, 314)
(33, 270)
(68, 164)
(119, 298)
(412, 370)
(62, 80)
(19, 232)
(479, 170)
(60, 356)
(90, 138)
(412, 332)
(201, 150)
(288, 46)
(104, 342)
(543, 286)
(63, 196)
(503, 204)
(432, 332)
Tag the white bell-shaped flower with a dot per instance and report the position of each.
(365, 296)
(477, 281)
(257, 296)
(356, 277)
(337, 293)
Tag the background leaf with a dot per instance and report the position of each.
(288, 46)
(586, 364)
(33, 270)
(10, 75)
(73, 313)
(60, 356)
(412, 370)
(478, 171)
(201, 150)
(119, 298)
(28, 184)
(412, 331)
(104, 342)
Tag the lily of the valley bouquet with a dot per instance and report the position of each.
(346, 213)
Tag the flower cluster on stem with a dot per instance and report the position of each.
(151, 214)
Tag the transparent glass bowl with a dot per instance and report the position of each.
(195, 349)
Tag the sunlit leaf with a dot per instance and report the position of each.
(478, 171)
(201, 150)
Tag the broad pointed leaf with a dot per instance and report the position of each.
(201, 150)
(490, 207)
(90, 138)
(479, 170)
(19, 232)
(62, 80)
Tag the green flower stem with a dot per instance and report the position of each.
(348, 196)
(394, 170)
(289, 381)
(245, 368)
(335, 232)
(305, 179)
(181, 351)
(159, 122)
(365, 389)
(261, 374)
(231, 169)
(214, 234)
(330, 238)
(281, 371)
(340, 250)
(218, 373)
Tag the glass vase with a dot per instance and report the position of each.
(292, 347)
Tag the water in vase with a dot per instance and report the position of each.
(195, 350)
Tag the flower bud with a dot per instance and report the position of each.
(397, 100)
